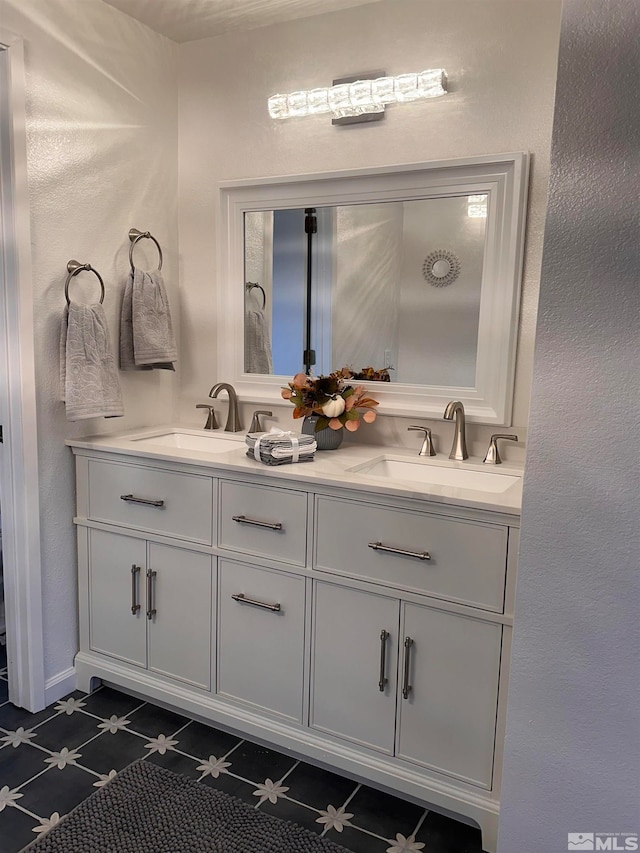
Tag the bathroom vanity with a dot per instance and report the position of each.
(355, 610)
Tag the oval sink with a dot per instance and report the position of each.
(191, 441)
(426, 473)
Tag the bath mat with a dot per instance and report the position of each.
(148, 809)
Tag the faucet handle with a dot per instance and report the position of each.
(255, 420)
(211, 417)
(493, 457)
(427, 444)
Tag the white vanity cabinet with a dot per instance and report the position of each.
(368, 632)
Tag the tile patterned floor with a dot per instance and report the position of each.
(51, 761)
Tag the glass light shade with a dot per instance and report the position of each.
(406, 87)
(382, 90)
(432, 83)
(278, 107)
(297, 104)
(340, 99)
(318, 101)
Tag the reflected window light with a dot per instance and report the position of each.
(477, 206)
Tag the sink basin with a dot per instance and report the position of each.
(190, 441)
(426, 473)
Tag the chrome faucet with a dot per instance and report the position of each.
(427, 444)
(233, 417)
(459, 448)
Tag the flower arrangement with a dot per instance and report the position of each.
(332, 398)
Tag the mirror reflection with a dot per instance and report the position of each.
(391, 290)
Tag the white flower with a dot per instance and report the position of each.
(269, 790)
(70, 705)
(104, 778)
(114, 724)
(213, 767)
(19, 736)
(334, 818)
(47, 823)
(160, 744)
(62, 758)
(8, 797)
(404, 845)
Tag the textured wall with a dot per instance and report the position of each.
(573, 734)
(501, 57)
(102, 151)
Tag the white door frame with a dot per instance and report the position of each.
(19, 489)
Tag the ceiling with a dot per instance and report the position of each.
(188, 20)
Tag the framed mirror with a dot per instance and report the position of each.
(410, 276)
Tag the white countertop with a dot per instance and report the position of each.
(328, 468)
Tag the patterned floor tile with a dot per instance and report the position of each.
(202, 741)
(442, 834)
(153, 721)
(16, 830)
(287, 810)
(18, 764)
(11, 717)
(357, 841)
(231, 785)
(113, 752)
(67, 730)
(58, 790)
(257, 763)
(106, 701)
(383, 814)
(177, 763)
(317, 787)
(4, 690)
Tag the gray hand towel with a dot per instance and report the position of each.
(257, 342)
(146, 331)
(88, 375)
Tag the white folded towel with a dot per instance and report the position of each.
(257, 342)
(88, 376)
(146, 332)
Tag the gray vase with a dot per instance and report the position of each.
(327, 439)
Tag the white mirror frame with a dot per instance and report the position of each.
(503, 177)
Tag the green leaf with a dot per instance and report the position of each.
(321, 423)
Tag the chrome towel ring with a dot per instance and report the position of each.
(75, 267)
(251, 285)
(134, 236)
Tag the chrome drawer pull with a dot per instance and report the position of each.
(151, 610)
(135, 607)
(242, 519)
(420, 555)
(133, 500)
(241, 598)
(406, 687)
(383, 656)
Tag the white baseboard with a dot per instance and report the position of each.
(60, 685)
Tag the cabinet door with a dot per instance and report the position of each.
(179, 633)
(352, 659)
(117, 618)
(447, 721)
(261, 638)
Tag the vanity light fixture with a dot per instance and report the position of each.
(360, 96)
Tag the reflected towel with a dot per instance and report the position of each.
(257, 342)
(88, 376)
(146, 331)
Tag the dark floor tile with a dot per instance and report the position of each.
(12, 717)
(17, 764)
(202, 741)
(16, 830)
(112, 752)
(105, 702)
(58, 790)
(67, 730)
(383, 814)
(3, 656)
(153, 721)
(442, 834)
(317, 787)
(357, 841)
(230, 785)
(177, 763)
(288, 810)
(4, 690)
(257, 763)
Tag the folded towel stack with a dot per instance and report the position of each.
(277, 447)
(146, 331)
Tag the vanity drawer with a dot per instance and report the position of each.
(466, 560)
(152, 499)
(264, 521)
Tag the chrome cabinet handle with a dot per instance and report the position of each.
(419, 555)
(406, 687)
(151, 610)
(133, 500)
(241, 598)
(383, 657)
(135, 606)
(242, 519)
